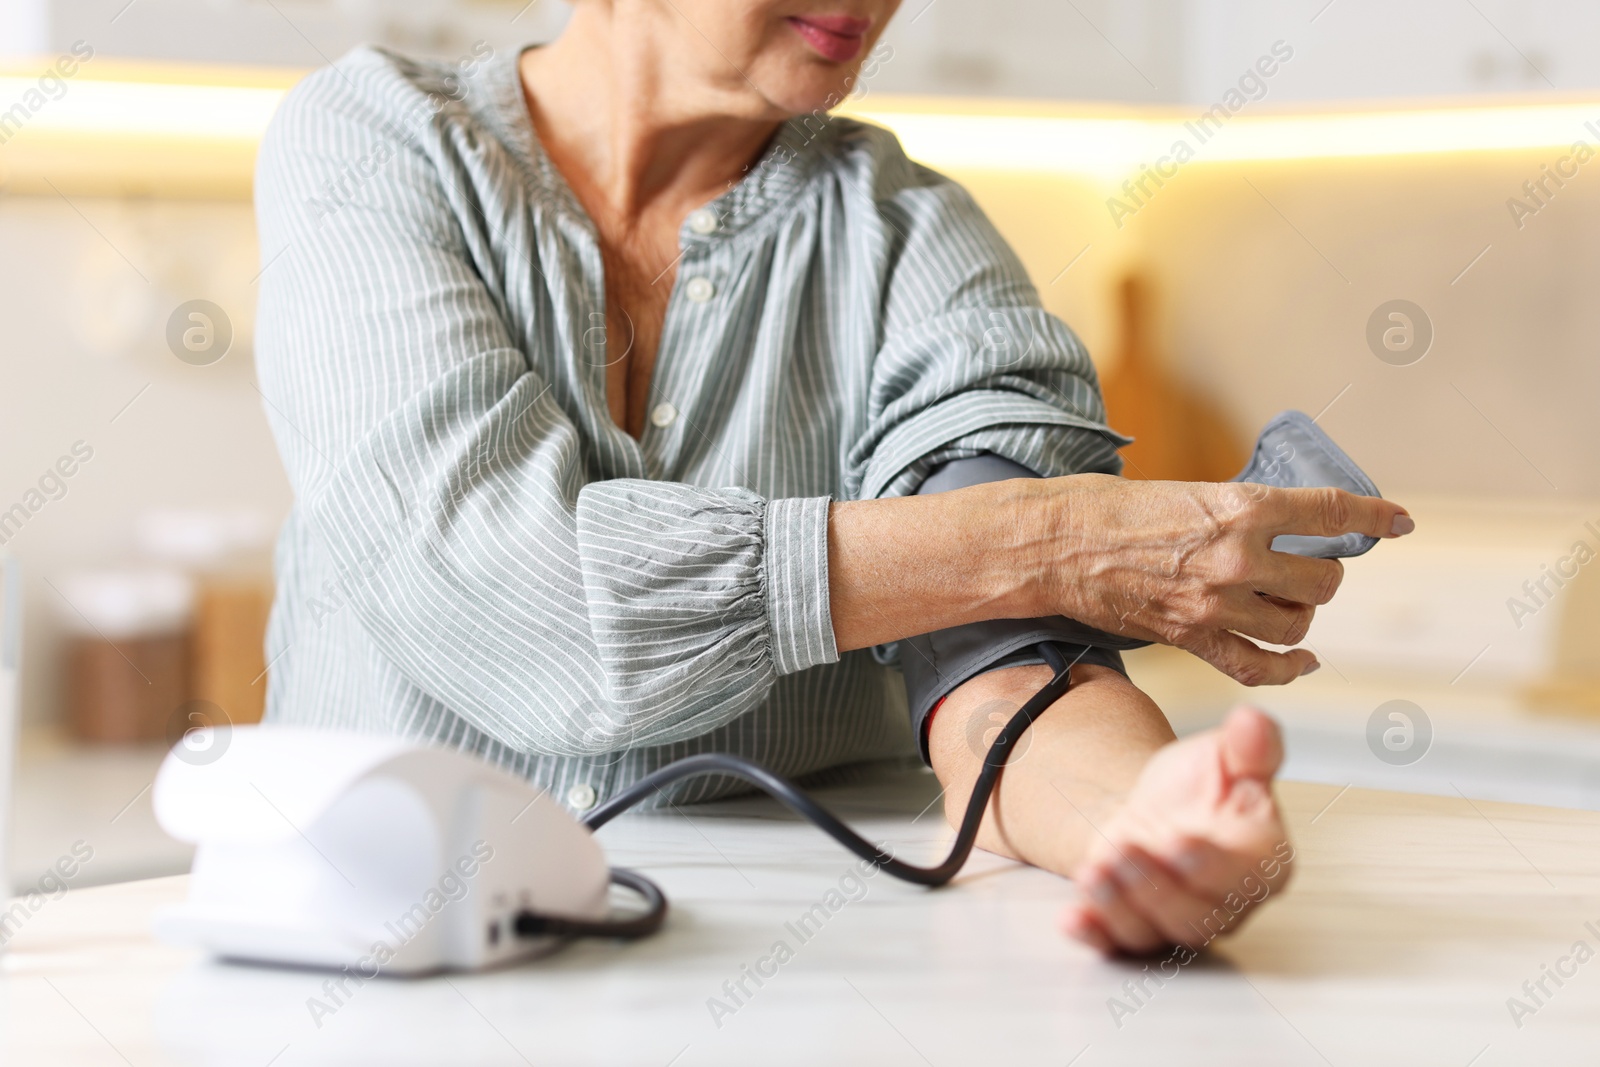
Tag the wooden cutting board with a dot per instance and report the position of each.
(1179, 434)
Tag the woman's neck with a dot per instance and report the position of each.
(635, 132)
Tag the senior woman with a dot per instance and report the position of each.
(611, 398)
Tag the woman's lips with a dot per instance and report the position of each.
(835, 37)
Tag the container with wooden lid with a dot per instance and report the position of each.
(126, 652)
(227, 553)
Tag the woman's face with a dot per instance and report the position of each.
(793, 56)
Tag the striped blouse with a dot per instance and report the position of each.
(479, 556)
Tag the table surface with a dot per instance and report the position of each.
(1413, 922)
(1489, 741)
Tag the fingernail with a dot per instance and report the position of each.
(1403, 524)
(1311, 668)
(1101, 891)
(1250, 792)
(1128, 873)
(1188, 860)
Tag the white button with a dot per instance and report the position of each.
(663, 414)
(703, 221)
(700, 290)
(582, 796)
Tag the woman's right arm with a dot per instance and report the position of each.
(430, 435)
(1188, 564)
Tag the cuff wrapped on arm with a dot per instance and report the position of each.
(935, 664)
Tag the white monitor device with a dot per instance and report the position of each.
(324, 848)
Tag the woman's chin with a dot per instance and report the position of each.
(809, 95)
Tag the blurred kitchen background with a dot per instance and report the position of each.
(1342, 235)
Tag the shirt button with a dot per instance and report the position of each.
(700, 290)
(663, 414)
(703, 221)
(582, 796)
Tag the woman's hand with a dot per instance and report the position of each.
(1191, 564)
(1171, 842)
(1181, 563)
(1195, 848)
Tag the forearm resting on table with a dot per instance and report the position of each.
(1159, 834)
(1067, 776)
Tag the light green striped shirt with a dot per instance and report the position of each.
(478, 555)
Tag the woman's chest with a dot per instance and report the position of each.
(637, 288)
(717, 358)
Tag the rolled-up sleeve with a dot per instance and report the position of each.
(968, 360)
(707, 584)
(969, 365)
(437, 465)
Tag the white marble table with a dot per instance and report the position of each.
(1413, 921)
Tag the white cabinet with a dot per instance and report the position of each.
(1186, 52)
(297, 33)
(24, 27)
(1192, 51)
(1366, 49)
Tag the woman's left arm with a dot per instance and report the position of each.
(1159, 833)
(968, 363)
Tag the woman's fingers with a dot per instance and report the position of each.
(1173, 907)
(1127, 927)
(1080, 922)
(1214, 873)
(1248, 663)
(1265, 618)
(1141, 903)
(1330, 512)
(1298, 579)
(1252, 744)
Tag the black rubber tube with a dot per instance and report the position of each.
(531, 924)
(795, 799)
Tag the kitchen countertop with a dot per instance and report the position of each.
(1489, 743)
(1412, 921)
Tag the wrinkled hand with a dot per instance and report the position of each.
(1191, 564)
(1195, 849)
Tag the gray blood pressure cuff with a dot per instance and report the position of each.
(1292, 452)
